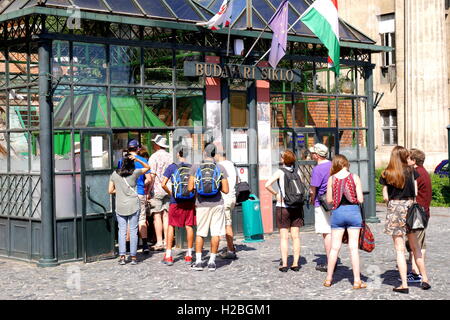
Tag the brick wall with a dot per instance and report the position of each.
(318, 113)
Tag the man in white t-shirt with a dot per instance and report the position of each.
(229, 202)
(160, 201)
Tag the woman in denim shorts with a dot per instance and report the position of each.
(344, 191)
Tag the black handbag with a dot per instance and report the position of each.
(324, 203)
(242, 189)
(416, 218)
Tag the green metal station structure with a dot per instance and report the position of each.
(79, 78)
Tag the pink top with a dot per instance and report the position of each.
(345, 187)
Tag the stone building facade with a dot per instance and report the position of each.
(414, 111)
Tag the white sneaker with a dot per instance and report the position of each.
(212, 266)
(198, 266)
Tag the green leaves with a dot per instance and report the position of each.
(440, 188)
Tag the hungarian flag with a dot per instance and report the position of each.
(322, 19)
(222, 19)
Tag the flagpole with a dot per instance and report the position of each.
(260, 35)
(229, 36)
(254, 44)
(268, 51)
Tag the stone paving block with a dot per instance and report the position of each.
(254, 275)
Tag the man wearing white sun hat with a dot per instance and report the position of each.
(158, 162)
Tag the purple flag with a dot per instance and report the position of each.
(279, 25)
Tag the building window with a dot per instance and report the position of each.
(389, 126)
(387, 33)
(388, 40)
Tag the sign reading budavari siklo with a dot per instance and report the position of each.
(235, 71)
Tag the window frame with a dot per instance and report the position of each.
(391, 127)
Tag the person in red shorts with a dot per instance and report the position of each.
(182, 205)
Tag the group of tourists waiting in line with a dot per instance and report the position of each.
(179, 194)
(337, 196)
(203, 195)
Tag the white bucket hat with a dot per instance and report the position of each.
(161, 141)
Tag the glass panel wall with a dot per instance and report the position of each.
(125, 65)
(89, 63)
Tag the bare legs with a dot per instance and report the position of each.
(399, 245)
(353, 244)
(284, 245)
(190, 236)
(229, 236)
(169, 241)
(417, 254)
(161, 223)
(214, 244)
(143, 229)
(327, 243)
(295, 234)
(414, 267)
(333, 253)
(336, 243)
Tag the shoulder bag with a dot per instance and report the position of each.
(416, 218)
(366, 238)
(242, 188)
(126, 182)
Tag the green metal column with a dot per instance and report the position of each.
(371, 212)
(48, 254)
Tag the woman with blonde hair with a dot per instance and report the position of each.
(344, 191)
(399, 190)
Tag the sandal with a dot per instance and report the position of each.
(359, 285)
(159, 247)
(327, 283)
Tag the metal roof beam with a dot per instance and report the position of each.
(174, 25)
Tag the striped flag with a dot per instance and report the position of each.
(222, 19)
(322, 19)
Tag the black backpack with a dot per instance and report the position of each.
(293, 189)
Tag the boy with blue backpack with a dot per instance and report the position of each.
(209, 179)
(182, 205)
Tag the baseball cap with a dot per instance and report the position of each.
(133, 144)
(320, 149)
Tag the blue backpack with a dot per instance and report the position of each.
(180, 180)
(207, 180)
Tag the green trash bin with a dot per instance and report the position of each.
(252, 220)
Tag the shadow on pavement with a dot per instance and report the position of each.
(343, 272)
(302, 261)
(322, 259)
(243, 247)
(391, 277)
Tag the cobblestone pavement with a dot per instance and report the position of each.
(254, 275)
